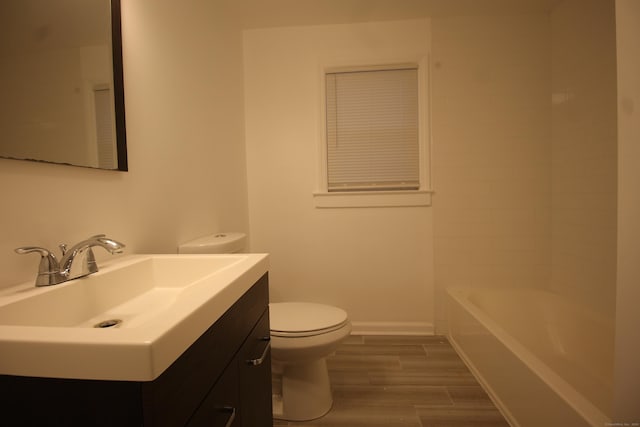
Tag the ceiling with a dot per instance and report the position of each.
(278, 13)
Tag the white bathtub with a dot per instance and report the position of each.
(544, 361)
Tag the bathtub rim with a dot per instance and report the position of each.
(580, 404)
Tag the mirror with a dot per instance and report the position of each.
(61, 83)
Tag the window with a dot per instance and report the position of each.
(372, 130)
(374, 145)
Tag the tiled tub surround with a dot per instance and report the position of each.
(403, 381)
(527, 342)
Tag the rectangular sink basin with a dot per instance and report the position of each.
(129, 321)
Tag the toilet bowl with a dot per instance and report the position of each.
(302, 336)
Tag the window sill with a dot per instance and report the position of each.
(372, 199)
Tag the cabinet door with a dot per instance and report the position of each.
(254, 362)
(220, 407)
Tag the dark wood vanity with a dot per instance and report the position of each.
(223, 379)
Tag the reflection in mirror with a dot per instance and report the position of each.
(61, 82)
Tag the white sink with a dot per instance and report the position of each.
(161, 304)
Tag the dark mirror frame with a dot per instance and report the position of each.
(118, 85)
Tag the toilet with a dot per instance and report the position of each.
(303, 334)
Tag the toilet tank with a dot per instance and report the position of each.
(221, 243)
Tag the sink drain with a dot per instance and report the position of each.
(111, 323)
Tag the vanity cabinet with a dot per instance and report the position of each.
(223, 379)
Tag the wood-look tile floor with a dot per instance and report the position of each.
(403, 382)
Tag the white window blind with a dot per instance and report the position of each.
(372, 130)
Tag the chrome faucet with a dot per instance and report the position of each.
(76, 262)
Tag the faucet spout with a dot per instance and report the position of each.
(79, 260)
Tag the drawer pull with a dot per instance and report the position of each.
(232, 415)
(260, 360)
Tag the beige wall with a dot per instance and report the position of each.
(525, 152)
(184, 102)
(584, 153)
(491, 151)
(374, 262)
(627, 370)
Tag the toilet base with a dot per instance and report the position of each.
(306, 391)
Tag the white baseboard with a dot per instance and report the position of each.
(392, 328)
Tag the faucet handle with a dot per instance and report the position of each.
(29, 249)
(63, 248)
(48, 270)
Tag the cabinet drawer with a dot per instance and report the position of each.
(254, 366)
(220, 407)
(242, 396)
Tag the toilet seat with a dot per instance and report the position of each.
(301, 319)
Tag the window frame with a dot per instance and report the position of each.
(323, 198)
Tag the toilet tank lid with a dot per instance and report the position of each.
(218, 243)
(304, 316)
